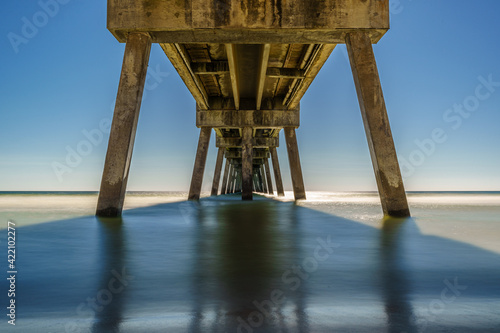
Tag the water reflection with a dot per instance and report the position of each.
(396, 285)
(217, 267)
(243, 251)
(109, 300)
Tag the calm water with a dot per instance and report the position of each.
(328, 264)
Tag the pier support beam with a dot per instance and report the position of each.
(270, 189)
(294, 160)
(218, 169)
(122, 135)
(199, 164)
(377, 128)
(231, 179)
(224, 177)
(277, 172)
(264, 181)
(239, 181)
(247, 163)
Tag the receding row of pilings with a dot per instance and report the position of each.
(247, 170)
(232, 178)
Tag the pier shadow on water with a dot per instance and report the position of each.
(223, 265)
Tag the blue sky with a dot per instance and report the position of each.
(439, 67)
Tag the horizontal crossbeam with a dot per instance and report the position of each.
(247, 118)
(257, 154)
(257, 142)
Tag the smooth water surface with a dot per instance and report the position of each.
(328, 264)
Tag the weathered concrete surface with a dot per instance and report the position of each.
(225, 177)
(247, 118)
(249, 21)
(268, 177)
(256, 154)
(237, 180)
(277, 172)
(230, 180)
(199, 164)
(247, 163)
(294, 160)
(217, 171)
(263, 177)
(256, 142)
(377, 128)
(122, 135)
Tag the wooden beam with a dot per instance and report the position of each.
(123, 128)
(377, 127)
(247, 118)
(261, 80)
(233, 70)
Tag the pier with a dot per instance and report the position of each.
(247, 64)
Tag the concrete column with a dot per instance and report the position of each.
(377, 127)
(247, 163)
(277, 172)
(257, 184)
(218, 169)
(199, 163)
(238, 181)
(264, 180)
(270, 189)
(235, 182)
(294, 160)
(229, 177)
(225, 177)
(122, 135)
(233, 178)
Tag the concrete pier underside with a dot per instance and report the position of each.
(247, 64)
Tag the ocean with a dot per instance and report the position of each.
(331, 263)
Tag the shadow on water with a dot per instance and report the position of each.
(244, 250)
(396, 285)
(109, 298)
(264, 266)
